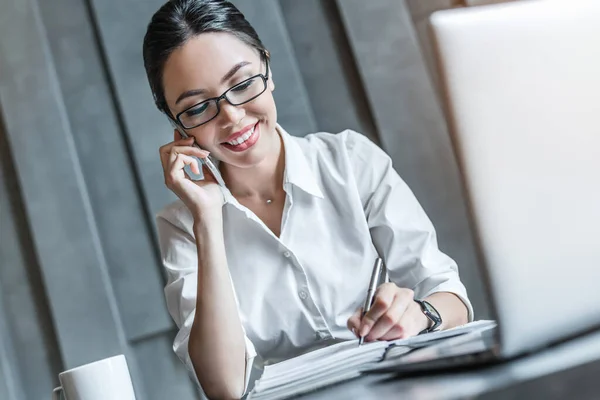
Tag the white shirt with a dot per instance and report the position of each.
(345, 204)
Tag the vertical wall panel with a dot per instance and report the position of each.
(294, 112)
(125, 232)
(10, 382)
(411, 124)
(327, 65)
(27, 331)
(121, 26)
(420, 12)
(54, 195)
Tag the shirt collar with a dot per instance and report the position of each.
(297, 170)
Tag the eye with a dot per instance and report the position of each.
(243, 86)
(197, 109)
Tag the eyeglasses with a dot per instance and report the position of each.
(207, 110)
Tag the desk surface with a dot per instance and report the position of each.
(570, 369)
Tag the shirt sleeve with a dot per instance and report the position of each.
(180, 260)
(400, 229)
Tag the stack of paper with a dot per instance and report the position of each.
(323, 367)
(340, 362)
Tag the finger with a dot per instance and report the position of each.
(186, 150)
(190, 151)
(354, 321)
(384, 296)
(390, 318)
(166, 149)
(394, 334)
(176, 168)
(179, 142)
(402, 330)
(408, 325)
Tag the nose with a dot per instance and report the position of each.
(230, 115)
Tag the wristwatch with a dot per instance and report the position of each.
(432, 314)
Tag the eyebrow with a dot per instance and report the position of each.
(228, 75)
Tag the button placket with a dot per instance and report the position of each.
(304, 295)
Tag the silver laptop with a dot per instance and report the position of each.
(521, 82)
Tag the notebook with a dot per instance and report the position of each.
(343, 361)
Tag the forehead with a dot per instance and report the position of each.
(203, 60)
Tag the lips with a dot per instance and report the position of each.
(239, 134)
(247, 136)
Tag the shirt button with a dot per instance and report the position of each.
(287, 254)
(303, 295)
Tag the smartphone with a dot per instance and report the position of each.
(206, 161)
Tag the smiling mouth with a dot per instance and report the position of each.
(246, 140)
(241, 139)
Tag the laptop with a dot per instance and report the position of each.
(521, 86)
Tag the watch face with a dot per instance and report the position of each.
(431, 310)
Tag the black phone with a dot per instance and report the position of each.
(206, 161)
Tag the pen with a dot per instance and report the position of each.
(371, 291)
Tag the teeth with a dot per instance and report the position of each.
(242, 138)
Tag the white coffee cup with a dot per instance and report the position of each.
(100, 380)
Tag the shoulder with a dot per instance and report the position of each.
(348, 145)
(347, 150)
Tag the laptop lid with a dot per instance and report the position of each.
(522, 91)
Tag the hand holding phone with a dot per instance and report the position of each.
(206, 161)
(202, 197)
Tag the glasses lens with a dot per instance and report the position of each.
(198, 114)
(246, 90)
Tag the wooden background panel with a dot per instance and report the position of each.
(125, 231)
(411, 125)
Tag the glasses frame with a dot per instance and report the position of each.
(224, 96)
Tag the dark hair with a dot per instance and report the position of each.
(179, 20)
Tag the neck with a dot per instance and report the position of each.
(263, 180)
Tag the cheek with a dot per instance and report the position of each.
(204, 136)
(262, 107)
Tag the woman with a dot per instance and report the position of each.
(278, 262)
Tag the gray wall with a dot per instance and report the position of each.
(80, 178)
